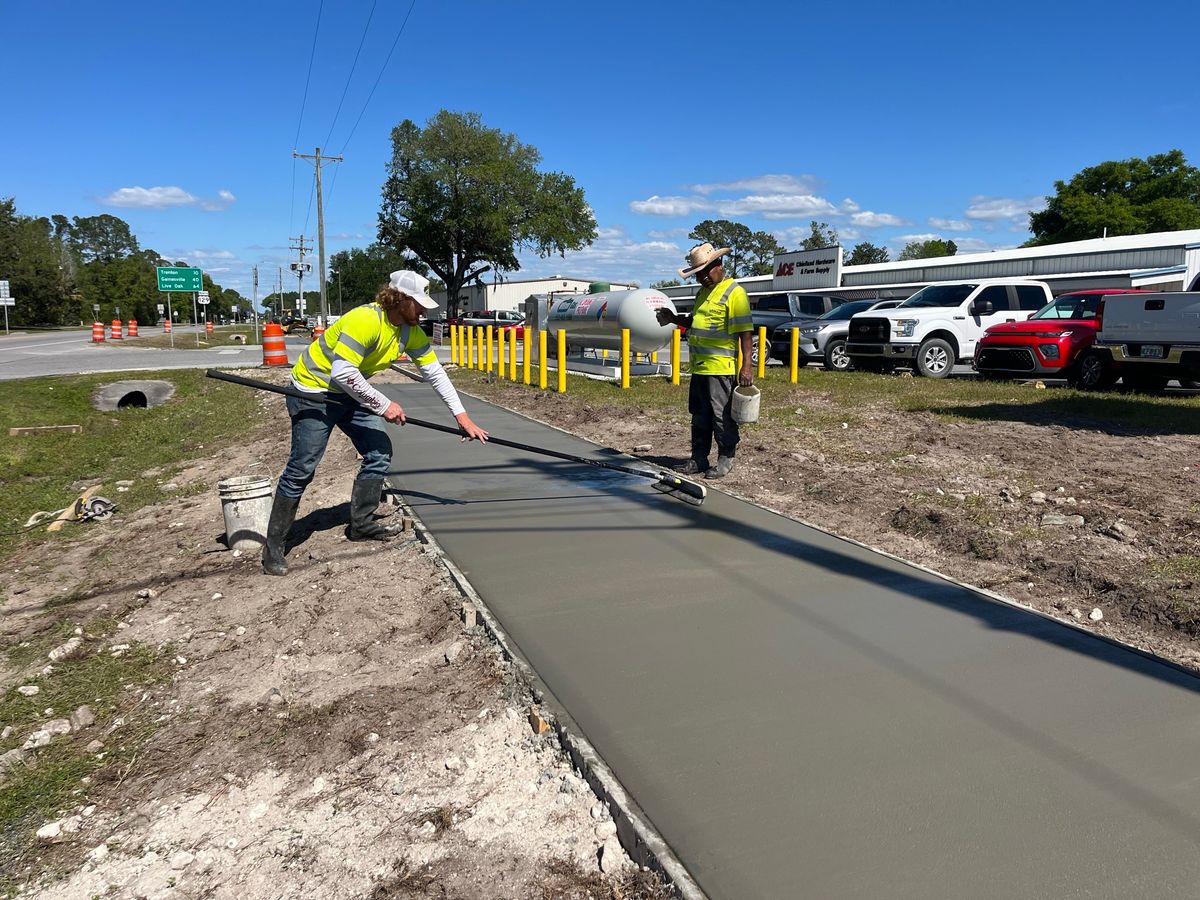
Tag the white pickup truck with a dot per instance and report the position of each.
(940, 324)
(1145, 340)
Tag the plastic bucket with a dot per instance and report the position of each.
(745, 404)
(246, 504)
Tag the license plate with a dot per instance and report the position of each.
(1152, 351)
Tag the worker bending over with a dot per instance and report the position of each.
(335, 370)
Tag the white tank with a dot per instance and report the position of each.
(596, 320)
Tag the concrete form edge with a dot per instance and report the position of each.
(637, 834)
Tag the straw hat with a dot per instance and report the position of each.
(701, 256)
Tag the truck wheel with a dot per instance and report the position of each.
(1093, 373)
(935, 358)
(836, 358)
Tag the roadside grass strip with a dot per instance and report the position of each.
(42, 472)
(222, 336)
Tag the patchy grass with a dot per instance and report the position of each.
(40, 469)
(222, 336)
(111, 687)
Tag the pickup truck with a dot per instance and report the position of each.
(1145, 340)
(939, 325)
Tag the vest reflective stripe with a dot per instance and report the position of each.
(711, 345)
(350, 342)
(742, 320)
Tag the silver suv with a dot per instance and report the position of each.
(823, 339)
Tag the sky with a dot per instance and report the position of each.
(890, 122)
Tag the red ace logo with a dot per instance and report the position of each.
(785, 269)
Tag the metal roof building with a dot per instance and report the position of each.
(1165, 261)
(511, 294)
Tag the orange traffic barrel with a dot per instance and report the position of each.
(166, 326)
(133, 328)
(318, 330)
(97, 332)
(115, 331)
(208, 327)
(274, 348)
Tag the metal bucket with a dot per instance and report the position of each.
(745, 404)
(246, 504)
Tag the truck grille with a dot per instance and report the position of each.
(1013, 359)
(869, 330)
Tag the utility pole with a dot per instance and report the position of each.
(299, 268)
(318, 159)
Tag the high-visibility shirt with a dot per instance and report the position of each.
(721, 313)
(366, 340)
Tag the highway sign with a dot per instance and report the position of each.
(160, 308)
(178, 278)
(202, 298)
(4, 289)
(7, 301)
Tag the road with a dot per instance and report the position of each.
(73, 353)
(802, 717)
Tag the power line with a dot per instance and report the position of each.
(379, 77)
(353, 66)
(304, 102)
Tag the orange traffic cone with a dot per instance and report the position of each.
(274, 347)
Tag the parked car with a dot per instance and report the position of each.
(1049, 343)
(497, 318)
(939, 325)
(1145, 341)
(772, 310)
(823, 339)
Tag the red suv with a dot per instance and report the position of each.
(1046, 345)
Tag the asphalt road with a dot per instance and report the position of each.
(73, 353)
(801, 717)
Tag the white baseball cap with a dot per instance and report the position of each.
(414, 285)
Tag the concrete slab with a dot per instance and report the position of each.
(800, 716)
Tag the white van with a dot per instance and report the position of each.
(940, 324)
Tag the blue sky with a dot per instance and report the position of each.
(890, 122)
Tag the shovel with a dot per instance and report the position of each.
(666, 482)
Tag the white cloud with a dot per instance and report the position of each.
(777, 206)
(949, 224)
(663, 234)
(138, 197)
(993, 208)
(848, 234)
(668, 206)
(769, 184)
(870, 219)
(615, 257)
(206, 254)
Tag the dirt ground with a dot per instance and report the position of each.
(339, 732)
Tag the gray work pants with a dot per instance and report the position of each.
(710, 401)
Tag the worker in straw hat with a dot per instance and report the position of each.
(719, 322)
(334, 370)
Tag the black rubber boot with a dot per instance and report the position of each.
(283, 514)
(364, 500)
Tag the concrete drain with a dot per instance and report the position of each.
(132, 395)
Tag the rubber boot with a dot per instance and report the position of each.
(364, 500)
(283, 514)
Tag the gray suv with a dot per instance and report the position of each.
(823, 339)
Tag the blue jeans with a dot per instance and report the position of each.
(312, 423)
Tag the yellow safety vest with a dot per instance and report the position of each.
(721, 313)
(364, 338)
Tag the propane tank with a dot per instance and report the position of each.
(596, 320)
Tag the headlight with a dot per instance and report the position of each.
(810, 329)
(905, 327)
(1065, 333)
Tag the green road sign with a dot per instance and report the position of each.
(177, 278)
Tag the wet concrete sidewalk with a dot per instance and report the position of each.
(801, 717)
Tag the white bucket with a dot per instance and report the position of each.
(745, 404)
(246, 504)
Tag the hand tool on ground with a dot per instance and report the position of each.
(667, 482)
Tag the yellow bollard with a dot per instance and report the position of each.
(525, 353)
(470, 347)
(675, 356)
(542, 358)
(794, 354)
(512, 354)
(453, 345)
(491, 350)
(500, 340)
(654, 358)
(738, 364)
(763, 349)
(625, 358)
(562, 360)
